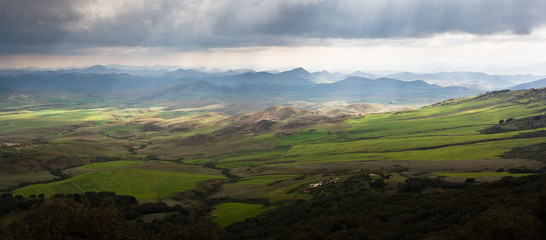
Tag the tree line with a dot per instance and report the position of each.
(357, 208)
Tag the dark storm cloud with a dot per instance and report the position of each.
(391, 18)
(66, 25)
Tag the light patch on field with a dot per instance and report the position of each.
(97, 117)
(208, 107)
(141, 183)
(228, 213)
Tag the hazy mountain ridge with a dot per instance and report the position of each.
(534, 84)
(352, 89)
(76, 82)
(479, 80)
(476, 80)
(245, 88)
(200, 86)
(328, 77)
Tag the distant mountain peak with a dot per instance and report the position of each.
(97, 68)
(298, 70)
(237, 71)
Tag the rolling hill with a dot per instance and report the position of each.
(212, 163)
(535, 84)
(279, 136)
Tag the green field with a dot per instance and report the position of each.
(108, 164)
(141, 183)
(228, 213)
(446, 131)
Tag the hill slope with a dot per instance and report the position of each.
(535, 84)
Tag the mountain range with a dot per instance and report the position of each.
(191, 87)
(534, 84)
(475, 80)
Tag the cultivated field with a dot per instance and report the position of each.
(125, 179)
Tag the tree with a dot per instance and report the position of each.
(65, 218)
(470, 180)
(378, 184)
(506, 224)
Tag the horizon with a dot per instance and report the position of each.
(171, 68)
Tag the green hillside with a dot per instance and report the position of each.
(270, 156)
(446, 131)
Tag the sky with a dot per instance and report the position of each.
(342, 35)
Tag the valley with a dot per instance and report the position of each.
(277, 120)
(228, 158)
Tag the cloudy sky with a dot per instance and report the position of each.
(416, 35)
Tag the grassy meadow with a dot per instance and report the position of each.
(141, 183)
(152, 153)
(228, 213)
